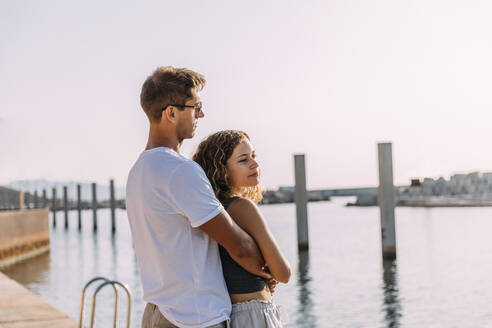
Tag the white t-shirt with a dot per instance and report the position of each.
(167, 198)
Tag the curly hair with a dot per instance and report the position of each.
(212, 155)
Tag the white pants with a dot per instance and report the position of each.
(255, 314)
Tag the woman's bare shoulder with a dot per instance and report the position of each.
(243, 206)
(246, 214)
(244, 209)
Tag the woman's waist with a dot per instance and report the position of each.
(263, 295)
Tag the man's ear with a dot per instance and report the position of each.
(169, 114)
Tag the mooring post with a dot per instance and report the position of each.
(45, 202)
(386, 199)
(53, 205)
(79, 208)
(36, 199)
(65, 205)
(301, 202)
(94, 207)
(112, 205)
(27, 200)
(21, 200)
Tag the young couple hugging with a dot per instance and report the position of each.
(205, 253)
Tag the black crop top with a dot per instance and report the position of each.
(238, 280)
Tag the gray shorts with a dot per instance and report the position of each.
(256, 314)
(153, 318)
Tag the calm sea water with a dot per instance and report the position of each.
(442, 277)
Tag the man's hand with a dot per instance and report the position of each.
(239, 244)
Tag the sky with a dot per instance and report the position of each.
(328, 79)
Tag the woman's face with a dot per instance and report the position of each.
(242, 168)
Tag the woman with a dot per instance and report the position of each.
(228, 159)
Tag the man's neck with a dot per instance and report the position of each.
(163, 140)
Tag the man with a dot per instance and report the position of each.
(175, 219)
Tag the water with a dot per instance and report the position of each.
(442, 277)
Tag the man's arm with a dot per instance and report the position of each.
(238, 243)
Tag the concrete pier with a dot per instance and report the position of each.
(19, 308)
(21, 200)
(386, 200)
(23, 234)
(301, 202)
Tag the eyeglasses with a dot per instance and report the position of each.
(197, 107)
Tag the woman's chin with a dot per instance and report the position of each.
(254, 181)
(250, 184)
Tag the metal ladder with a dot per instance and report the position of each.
(105, 282)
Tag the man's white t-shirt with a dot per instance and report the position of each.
(167, 198)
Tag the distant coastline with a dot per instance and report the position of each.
(461, 190)
(434, 202)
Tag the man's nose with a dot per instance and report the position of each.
(200, 114)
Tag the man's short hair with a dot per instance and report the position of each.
(168, 85)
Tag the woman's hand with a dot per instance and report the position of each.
(272, 283)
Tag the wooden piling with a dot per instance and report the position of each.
(94, 207)
(53, 205)
(27, 200)
(65, 205)
(301, 202)
(45, 199)
(79, 208)
(36, 199)
(112, 205)
(386, 199)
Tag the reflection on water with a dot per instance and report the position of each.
(442, 278)
(305, 305)
(95, 251)
(30, 272)
(114, 255)
(391, 306)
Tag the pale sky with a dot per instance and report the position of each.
(326, 78)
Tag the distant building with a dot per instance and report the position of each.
(475, 185)
(427, 186)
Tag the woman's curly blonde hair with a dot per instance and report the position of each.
(212, 155)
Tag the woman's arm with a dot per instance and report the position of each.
(238, 243)
(247, 215)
